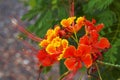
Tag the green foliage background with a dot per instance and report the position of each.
(47, 13)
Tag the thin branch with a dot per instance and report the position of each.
(98, 71)
(63, 75)
(109, 64)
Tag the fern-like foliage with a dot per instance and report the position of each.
(46, 13)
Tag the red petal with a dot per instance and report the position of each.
(72, 64)
(41, 54)
(69, 52)
(77, 27)
(54, 57)
(84, 40)
(93, 21)
(46, 62)
(83, 50)
(94, 35)
(50, 59)
(87, 60)
(103, 43)
(99, 27)
(46, 59)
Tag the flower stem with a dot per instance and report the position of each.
(108, 64)
(81, 76)
(75, 39)
(63, 75)
(98, 71)
(76, 36)
(38, 76)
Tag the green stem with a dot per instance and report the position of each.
(81, 76)
(108, 64)
(76, 36)
(98, 71)
(75, 39)
(63, 75)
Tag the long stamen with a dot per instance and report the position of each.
(28, 45)
(23, 30)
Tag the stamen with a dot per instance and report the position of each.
(23, 30)
(28, 45)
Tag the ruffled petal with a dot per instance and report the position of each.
(64, 43)
(80, 21)
(99, 27)
(87, 60)
(83, 50)
(44, 43)
(84, 40)
(94, 35)
(50, 49)
(46, 61)
(103, 43)
(72, 64)
(67, 22)
(69, 52)
(41, 54)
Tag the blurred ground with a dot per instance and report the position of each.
(16, 63)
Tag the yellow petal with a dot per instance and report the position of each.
(80, 20)
(64, 43)
(50, 49)
(44, 43)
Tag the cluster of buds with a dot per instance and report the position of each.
(56, 46)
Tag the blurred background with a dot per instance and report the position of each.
(18, 62)
(15, 64)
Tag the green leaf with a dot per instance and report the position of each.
(32, 3)
(62, 67)
(107, 17)
(31, 14)
(96, 5)
(110, 73)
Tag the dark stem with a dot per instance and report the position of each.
(63, 75)
(40, 70)
(39, 76)
(90, 73)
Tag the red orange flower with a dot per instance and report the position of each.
(90, 46)
(96, 44)
(52, 46)
(75, 57)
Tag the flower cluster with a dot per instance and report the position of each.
(56, 46)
